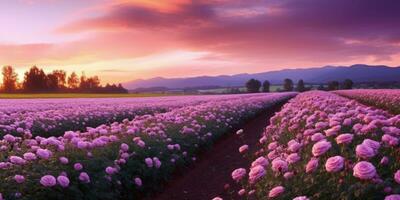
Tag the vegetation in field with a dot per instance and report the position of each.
(323, 146)
(121, 160)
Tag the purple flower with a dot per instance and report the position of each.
(19, 178)
(78, 166)
(334, 164)
(48, 181)
(238, 174)
(84, 177)
(63, 181)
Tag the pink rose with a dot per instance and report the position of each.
(238, 174)
(19, 178)
(393, 197)
(312, 165)
(397, 176)
(138, 182)
(276, 191)
(334, 164)
(321, 147)
(256, 173)
(293, 158)
(260, 161)
(63, 181)
(279, 165)
(243, 148)
(364, 170)
(345, 138)
(84, 177)
(48, 181)
(364, 151)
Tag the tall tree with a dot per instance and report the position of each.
(300, 86)
(93, 82)
(266, 86)
(73, 81)
(35, 80)
(333, 85)
(321, 87)
(10, 79)
(253, 85)
(348, 84)
(61, 76)
(288, 84)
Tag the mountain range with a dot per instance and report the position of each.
(357, 73)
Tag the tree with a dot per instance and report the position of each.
(300, 86)
(321, 87)
(82, 82)
(10, 79)
(333, 85)
(348, 84)
(73, 81)
(52, 82)
(288, 85)
(253, 85)
(266, 86)
(93, 82)
(61, 76)
(35, 80)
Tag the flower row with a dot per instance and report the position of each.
(383, 98)
(52, 117)
(120, 160)
(323, 146)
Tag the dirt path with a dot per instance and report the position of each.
(207, 177)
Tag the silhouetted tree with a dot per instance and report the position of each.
(93, 82)
(347, 84)
(10, 79)
(35, 80)
(52, 82)
(265, 86)
(300, 86)
(321, 87)
(73, 81)
(61, 77)
(333, 85)
(253, 85)
(288, 85)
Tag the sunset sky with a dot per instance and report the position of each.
(122, 40)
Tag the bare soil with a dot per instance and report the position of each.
(212, 171)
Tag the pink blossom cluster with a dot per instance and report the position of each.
(320, 136)
(129, 140)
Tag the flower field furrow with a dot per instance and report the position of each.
(52, 117)
(121, 160)
(324, 146)
(387, 99)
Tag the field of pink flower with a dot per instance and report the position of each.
(324, 146)
(120, 160)
(52, 117)
(387, 99)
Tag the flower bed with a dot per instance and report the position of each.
(379, 98)
(323, 146)
(52, 117)
(122, 160)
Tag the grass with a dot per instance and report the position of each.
(79, 95)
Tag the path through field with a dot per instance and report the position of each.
(213, 169)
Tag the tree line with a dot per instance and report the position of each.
(36, 80)
(254, 85)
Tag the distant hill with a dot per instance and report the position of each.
(358, 73)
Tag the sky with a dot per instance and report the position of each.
(122, 40)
